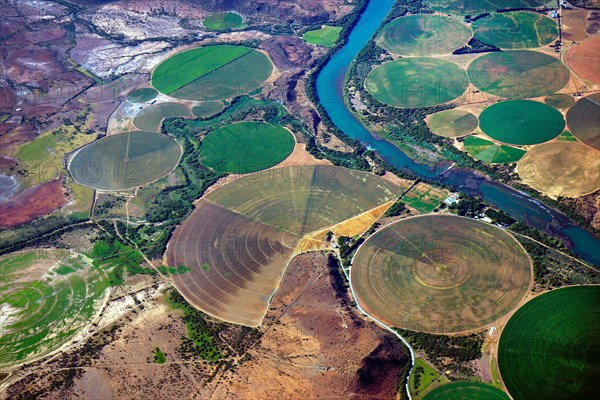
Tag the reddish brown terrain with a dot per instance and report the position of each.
(584, 59)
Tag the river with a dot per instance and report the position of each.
(330, 83)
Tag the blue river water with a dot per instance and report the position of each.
(522, 207)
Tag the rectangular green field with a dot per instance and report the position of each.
(424, 198)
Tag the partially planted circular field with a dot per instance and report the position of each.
(518, 74)
(416, 82)
(515, 30)
(223, 21)
(521, 122)
(239, 238)
(560, 101)
(424, 35)
(246, 147)
(452, 123)
(47, 296)
(440, 273)
(151, 117)
(490, 152)
(124, 161)
(584, 59)
(584, 120)
(550, 348)
(466, 391)
(561, 169)
(212, 73)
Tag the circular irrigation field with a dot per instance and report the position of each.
(515, 30)
(440, 273)
(584, 59)
(561, 169)
(125, 161)
(488, 151)
(584, 120)
(142, 95)
(424, 35)
(416, 82)
(521, 122)
(241, 148)
(47, 296)
(212, 73)
(560, 101)
(151, 117)
(518, 74)
(223, 21)
(550, 348)
(466, 391)
(452, 123)
(478, 7)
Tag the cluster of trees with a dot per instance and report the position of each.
(396, 209)
(347, 247)
(468, 206)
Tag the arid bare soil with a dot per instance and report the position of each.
(32, 203)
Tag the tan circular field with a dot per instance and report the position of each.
(440, 273)
(584, 59)
(561, 169)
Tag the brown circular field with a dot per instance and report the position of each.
(440, 273)
(584, 59)
(561, 169)
(583, 120)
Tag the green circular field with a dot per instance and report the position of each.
(212, 73)
(424, 35)
(440, 273)
(515, 30)
(207, 109)
(550, 348)
(416, 82)
(223, 21)
(47, 296)
(242, 147)
(466, 391)
(151, 117)
(521, 122)
(125, 161)
(560, 101)
(142, 95)
(480, 6)
(452, 123)
(490, 152)
(518, 74)
(584, 120)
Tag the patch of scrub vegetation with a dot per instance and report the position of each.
(327, 36)
(490, 152)
(159, 356)
(422, 376)
(223, 21)
(240, 148)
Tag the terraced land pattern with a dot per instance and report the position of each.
(515, 30)
(124, 161)
(239, 239)
(212, 73)
(440, 274)
(521, 122)
(416, 82)
(518, 74)
(241, 148)
(424, 35)
(550, 347)
(47, 297)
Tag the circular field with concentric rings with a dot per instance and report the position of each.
(515, 30)
(440, 273)
(521, 122)
(550, 348)
(584, 120)
(518, 74)
(424, 35)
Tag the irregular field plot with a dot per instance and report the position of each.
(452, 123)
(142, 95)
(480, 6)
(424, 198)
(46, 297)
(440, 274)
(235, 262)
(466, 391)
(125, 161)
(561, 169)
(207, 109)
(584, 59)
(584, 120)
(550, 347)
(416, 82)
(521, 122)
(223, 21)
(515, 30)
(240, 237)
(560, 100)
(327, 36)
(424, 35)
(488, 151)
(151, 117)
(518, 74)
(242, 147)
